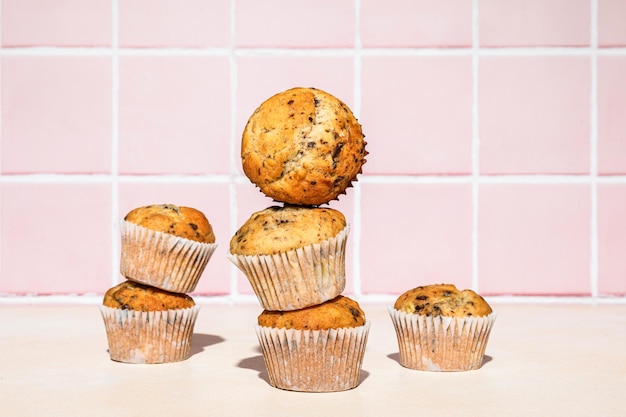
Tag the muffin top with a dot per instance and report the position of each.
(185, 222)
(130, 295)
(339, 312)
(279, 229)
(302, 146)
(442, 300)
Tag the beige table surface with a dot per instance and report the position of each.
(542, 360)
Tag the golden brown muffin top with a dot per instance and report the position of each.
(339, 312)
(442, 300)
(303, 146)
(185, 222)
(278, 229)
(130, 295)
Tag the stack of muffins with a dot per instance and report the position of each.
(303, 148)
(149, 318)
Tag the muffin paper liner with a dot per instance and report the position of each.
(297, 278)
(438, 343)
(162, 260)
(149, 337)
(313, 360)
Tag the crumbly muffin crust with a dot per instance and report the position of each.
(303, 146)
(442, 300)
(185, 222)
(278, 229)
(130, 295)
(339, 312)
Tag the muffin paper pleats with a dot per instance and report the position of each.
(313, 360)
(298, 278)
(162, 260)
(149, 337)
(438, 343)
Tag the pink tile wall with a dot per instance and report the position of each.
(496, 131)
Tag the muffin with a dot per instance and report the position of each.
(145, 324)
(441, 328)
(166, 246)
(293, 256)
(303, 146)
(315, 349)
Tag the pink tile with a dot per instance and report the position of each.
(331, 74)
(534, 22)
(611, 239)
(534, 115)
(56, 114)
(56, 23)
(611, 112)
(56, 238)
(171, 23)
(415, 234)
(611, 27)
(180, 103)
(406, 23)
(534, 239)
(417, 114)
(212, 199)
(284, 23)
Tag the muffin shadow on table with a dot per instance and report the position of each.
(200, 341)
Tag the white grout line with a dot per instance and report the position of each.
(593, 151)
(311, 52)
(475, 143)
(355, 224)
(115, 95)
(234, 135)
(250, 299)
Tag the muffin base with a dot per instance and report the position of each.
(438, 343)
(161, 260)
(298, 278)
(149, 337)
(313, 360)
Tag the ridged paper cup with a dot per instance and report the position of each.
(162, 260)
(149, 337)
(313, 360)
(298, 278)
(438, 343)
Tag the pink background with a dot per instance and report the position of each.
(496, 131)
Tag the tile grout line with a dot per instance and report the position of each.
(232, 184)
(593, 165)
(115, 237)
(475, 144)
(357, 284)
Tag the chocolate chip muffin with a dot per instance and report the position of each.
(293, 256)
(130, 295)
(185, 222)
(280, 229)
(166, 246)
(303, 146)
(338, 312)
(440, 328)
(316, 349)
(442, 300)
(148, 325)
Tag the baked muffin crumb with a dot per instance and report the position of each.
(130, 295)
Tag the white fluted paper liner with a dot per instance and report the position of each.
(162, 260)
(149, 337)
(313, 360)
(438, 343)
(298, 278)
